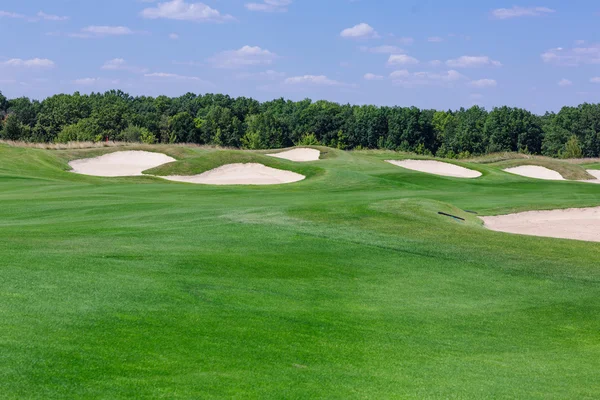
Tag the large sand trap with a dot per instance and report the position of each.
(437, 168)
(574, 223)
(536, 172)
(241, 174)
(120, 163)
(300, 155)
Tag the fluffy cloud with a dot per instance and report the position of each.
(319, 80)
(401, 59)
(173, 36)
(182, 11)
(408, 79)
(573, 57)
(385, 49)
(269, 6)
(483, 83)
(516, 12)
(473, 62)
(32, 63)
(595, 80)
(564, 82)
(244, 57)
(119, 64)
(435, 39)
(360, 31)
(372, 77)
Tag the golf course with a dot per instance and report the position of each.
(358, 279)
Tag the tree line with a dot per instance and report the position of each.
(218, 119)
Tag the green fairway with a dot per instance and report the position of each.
(346, 285)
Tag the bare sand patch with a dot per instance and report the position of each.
(120, 163)
(536, 172)
(574, 223)
(437, 168)
(241, 174)
(298, 155)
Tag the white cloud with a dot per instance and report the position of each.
(97, 31)
(244, 57)
(173, 36)
(573, 57)
(401, 59)
(435, 39)
(473, 62)
(385, 49)
(38, 17)
(360, 31)
(182, 11)
(319, 80)
(264, 75)
(95, 81)
(85, 81)
(564, 82)
(119, 64)
(50, 17)
(372, 77)
(168, 77)
(483, 83)
(8, 14)
(595, 79)
(435, 63)
(269, 6)
(408, 79)
(516, 11)
(32, 63)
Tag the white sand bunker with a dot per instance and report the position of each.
(575, 223)
(300, 155)
(437, 168)
(536, 172)
(241, 174)
(596, 174)
(120, 163)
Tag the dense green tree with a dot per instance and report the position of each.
(233, 122)
(14, 129)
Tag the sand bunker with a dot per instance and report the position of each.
(300, 155)
(241, 174)
(574, 223)
(437, 168)
(595, 173)
(536, 172)
(120, 163)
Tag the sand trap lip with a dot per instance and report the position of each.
(120, 163)
(536, 172)
(298, 155)
(436, 168)
(573, 223)
(241, 174)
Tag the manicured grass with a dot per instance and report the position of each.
(348, 284)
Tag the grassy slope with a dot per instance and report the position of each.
(346, 285)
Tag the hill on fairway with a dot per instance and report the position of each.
(348, 284)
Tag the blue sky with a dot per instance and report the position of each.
(427, 53)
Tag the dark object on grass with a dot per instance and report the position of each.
(451, 216)
(471, 212)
